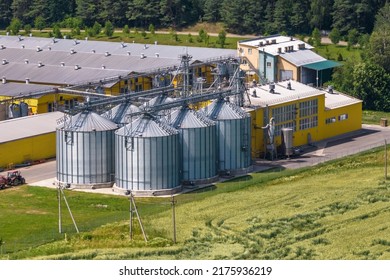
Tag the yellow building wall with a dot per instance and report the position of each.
(43, 102)
(285, 65)
(251, 54)
(354, 121)
(28, 149)
(257, 132)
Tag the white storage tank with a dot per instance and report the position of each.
(287, 141)
(233, 136)
(197, 145)
(147, 157)
(85, 151)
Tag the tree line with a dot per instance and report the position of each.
(238, 16)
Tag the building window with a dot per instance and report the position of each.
(343, 117)
(269, 64)
(330, 120)
(307, 123)
(249, 51)
(308, 108)
(244, 62)
(284, 114)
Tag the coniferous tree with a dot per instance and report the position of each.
(5, 13)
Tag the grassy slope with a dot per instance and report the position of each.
(335, 211)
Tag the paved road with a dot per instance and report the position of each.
(370, 136)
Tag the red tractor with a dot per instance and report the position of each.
(14, 178)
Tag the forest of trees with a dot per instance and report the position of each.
(238, 16)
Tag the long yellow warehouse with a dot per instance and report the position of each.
(313, 114)
(28, 139)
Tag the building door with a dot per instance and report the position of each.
(286, 75)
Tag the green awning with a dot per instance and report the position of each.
(321, 65)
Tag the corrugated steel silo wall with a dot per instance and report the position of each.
(233, 138)
(199, 156)
(150, 163)
(85, 157)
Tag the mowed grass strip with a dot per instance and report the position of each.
(337, 210)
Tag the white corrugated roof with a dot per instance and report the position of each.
(30, 126)
(298, 91)
(301, 57)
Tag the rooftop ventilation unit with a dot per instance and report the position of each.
(143, 55)
(155, 43)
(273, 41)
(2, 47)
(4, 80)
(22, 46)
(157, 54)
(40, 64)
(123, 45)
(62, 64)
(289, 85)
(103, 67)
(330, 89)
(27, 81)
(77, 67)
(261, 43)
(39, 49)
(301, 46)
(49, 48)
(20, 38)
(128, 53)
(93, 51)
(272, 88)
(4, 62)
(279, 50)
(107, 54)
(145, 47)
(75, 42)
(54, 40)
(86, 38)
(72, 51)
(26, 61)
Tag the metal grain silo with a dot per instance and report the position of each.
(85, 151)
(147, 157)
(120, 113)
(233, 136)
(197, 144)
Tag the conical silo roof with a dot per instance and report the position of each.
(88, 121)
(119, 113)
(161, 99)
(224, 110)
(146, 126)
(188, 118)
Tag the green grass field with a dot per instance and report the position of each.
(333, 52)
(337, 210)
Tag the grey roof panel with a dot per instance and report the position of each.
(302, 57)
(14, 89)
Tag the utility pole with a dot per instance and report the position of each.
(59, 210)
(131, 218)
(385, 160)
(173, 202)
